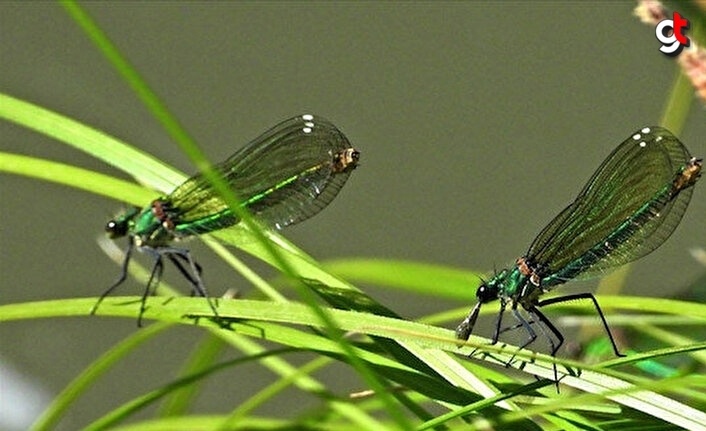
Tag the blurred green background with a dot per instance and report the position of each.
(477, 123)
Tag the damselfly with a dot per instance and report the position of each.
(629, 207)
(284, 176)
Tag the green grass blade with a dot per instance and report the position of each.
(135, 405)
(143, 167)
(674, 307)
(593, 379)
(673, 338)
(308, 269)
(290, 372)
(72, 176)
(415, 277)
(241, 412)
(138, 85)
(203, 357)
(61, 403)
(209, 422)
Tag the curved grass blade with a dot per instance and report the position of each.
(73, 176)
(145, 168)
(267, 316)
(55, 411)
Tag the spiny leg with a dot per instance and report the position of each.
(542, 319)
(121, 278)
(516, 325)
(538, 319)
(184, 272)
(155, 276)
(194, 277)
(585, 295)
(531, 335)
(498, 323)
(496, 331)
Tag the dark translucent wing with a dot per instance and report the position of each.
(624, 212)
(284, 176)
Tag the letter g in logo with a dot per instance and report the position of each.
(671, 33)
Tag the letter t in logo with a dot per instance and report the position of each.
(680, 23)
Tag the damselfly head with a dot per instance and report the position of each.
(119, 226)
(116, 229)
(486, 292)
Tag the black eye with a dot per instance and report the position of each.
(116, 228)
(485, 293)
(121, 225)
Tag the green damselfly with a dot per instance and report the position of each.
(282, 177)
(629, 207)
